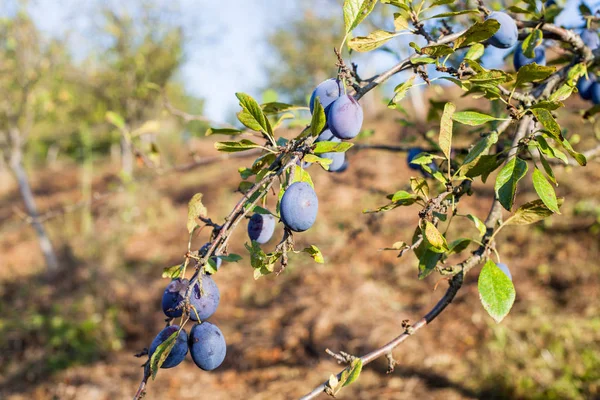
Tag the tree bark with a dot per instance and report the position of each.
(16, 165)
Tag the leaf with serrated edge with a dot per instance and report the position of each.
(355, 11)
(474, 118)
(545, 190)
(507, 180)
(374, 40)
(531, 212)
(496, 291)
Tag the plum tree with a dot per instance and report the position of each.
(584, 86)
(516, 129)
(508, 33)
(590, 39)
(204, 299)
(595, 92)
(299, 206)
(173, 296)
(327, 92)
(519, 59)
(261, 227)
(345, 117)
(207, 346)
(180, 349)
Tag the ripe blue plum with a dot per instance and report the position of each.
(508, 33)
(216, 260)
(590, 39)
(504, 268)
(204, 302)
(327, 92)
(178, 352)
(299, 206)
(595, 91)
(337, 161)
(520, 59)
(343, 167)
(325, 136)
(584, 86)
(261, 227)
(173, 296)
(207, 346)
(345, 117)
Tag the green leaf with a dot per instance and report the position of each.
(533, 73)
(332, 147)
(277, 107)
(422, 60)
(222, 131)
(355, 11)
(173, 272)
(445, 139)
(301, 175)
(484, 166)
(474, 118)
(496, 291)
(507, 179)
(161, 353)
(402, 195)
(252, 115)
(323, 162)
(437, 51)
(531, 212)
(480, 148)
(545, 190)
(479, 32)
(419, 186)
(401, 22)
(533, 40)
(458, 245)
(400, 91)
(478, 224)
(427, 261)
(231, 257)
(352, 372)
(115, 119)
(475, 52)
(374, 40)
(195, 209)
(315, 253)
(545, 118)
(451, 14)
(232, 147)
(318, 120)
(434, 237)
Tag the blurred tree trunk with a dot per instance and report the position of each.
(126, 157)
(18, 169)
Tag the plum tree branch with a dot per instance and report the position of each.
(455, 282)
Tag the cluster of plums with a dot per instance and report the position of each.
(344, 118)
(299, 204)
(589, 88)
(205, 342)
(507, 36)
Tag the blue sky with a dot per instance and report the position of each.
(225, 48)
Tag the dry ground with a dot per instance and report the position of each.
(277, 328)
